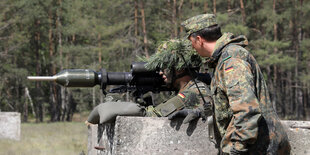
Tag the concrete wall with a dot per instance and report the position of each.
(148, 135)
(10, 125)
(299, 135)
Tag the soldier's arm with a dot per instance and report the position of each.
(203, 105)
(238, 81)
(186, 99)
(166, 108)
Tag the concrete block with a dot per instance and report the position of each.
(136, 135)
(10, 125)
(100, 139)
(299, 136)
(92, 139)
(149, 135)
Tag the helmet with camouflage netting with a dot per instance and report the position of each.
(170, 54)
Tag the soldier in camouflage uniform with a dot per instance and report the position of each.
(168, 58)
(244, 119)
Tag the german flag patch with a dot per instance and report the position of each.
(181, 95)
(229, 69)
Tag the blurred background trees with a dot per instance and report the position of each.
(43, 37)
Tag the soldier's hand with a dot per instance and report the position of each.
(189, 114)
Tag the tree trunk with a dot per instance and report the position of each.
(282, 96)
(306, 99)
(100, 61)
(53, 90)
(255, 10)
(25, 108)
(271, 87)
(27, 96)
(242, 11)
(214, 6)
(192, 5)
(228, 6)
(301, 110)
(146, 53)
(170, 7)
(275, 26)
(38, 107)
(275, 70)
(174, 19)
(289, 94)
(205, 7)
(136, 18)
(63, 93)
(295, 43)
(71, 106)
(63, 109)
(180, 15)
(63, 104)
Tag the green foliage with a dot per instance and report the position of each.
(237, 29)
(264, 51)
(38, 36)
(305, 46)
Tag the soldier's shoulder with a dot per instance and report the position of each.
(193, 87)
(235, 51)
(204, 88)
(233, 54)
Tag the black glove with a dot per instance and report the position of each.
(189, 114)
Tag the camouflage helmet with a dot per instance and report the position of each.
(169, 55)
(198, 22)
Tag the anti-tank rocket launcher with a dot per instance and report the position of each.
(139, 80)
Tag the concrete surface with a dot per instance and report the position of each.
(10, 125)
(149, 135)
(299, 136)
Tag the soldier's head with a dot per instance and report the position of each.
(169, 59)
(202, 29)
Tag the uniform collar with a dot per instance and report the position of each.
(223, 41)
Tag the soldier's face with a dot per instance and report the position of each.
(166, 74)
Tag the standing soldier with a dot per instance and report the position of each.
(244, 119)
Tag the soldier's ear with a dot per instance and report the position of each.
(199, 40)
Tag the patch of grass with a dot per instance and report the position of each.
(61, 138)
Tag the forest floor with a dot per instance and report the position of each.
(60, 138)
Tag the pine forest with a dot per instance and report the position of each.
(43, 37)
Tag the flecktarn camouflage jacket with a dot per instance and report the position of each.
(244, 117)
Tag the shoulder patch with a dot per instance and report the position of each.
(181, 95)
(229, 69)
